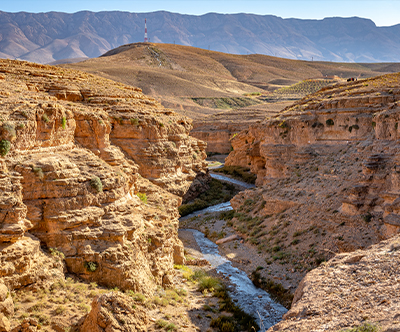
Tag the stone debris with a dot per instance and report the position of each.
(227, 239)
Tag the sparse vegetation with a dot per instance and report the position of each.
(45, 118)
(64, 122)
(367, 217)
(38, 172)
(96, 183)
(277, 291)
(366, 327)
(91, 266)
(142, 197)
(218, 192)
(134, 121)
(5, 147)
(225, 102)
(58, 255)
(330, 122)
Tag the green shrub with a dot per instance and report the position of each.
(134, 121)
(45, 118)
(367, 217)
(366, 327)
(223, 323)
(91, 266)
(95, 182)
(142, 197)
(58, 255)
(226, 215)
(356, 127)
(64, 122)
(161, 323)
(38, 172)
(330, 122)
(208, 283)
(5, 147)
(136, 296)
(277, 291)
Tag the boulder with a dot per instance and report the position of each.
(115, 312)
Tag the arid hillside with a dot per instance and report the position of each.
(181, 74)
(91, 175)
(46, 37)
(223, 93)
(327, 184)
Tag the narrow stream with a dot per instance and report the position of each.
(226, 179)
(251, 299)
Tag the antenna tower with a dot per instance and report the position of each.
(145, 31)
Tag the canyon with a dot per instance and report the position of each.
(327, 184)
(92, 173)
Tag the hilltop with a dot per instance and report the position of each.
(222, 92)
(47, 37)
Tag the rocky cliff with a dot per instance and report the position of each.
(93, 171)
(327, 176)
(358, 289)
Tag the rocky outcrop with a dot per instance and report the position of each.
(93, 171)
(6, 308)
(327, 176)
(357, 120)
(115, 312)
(347, 291)
(216, 134)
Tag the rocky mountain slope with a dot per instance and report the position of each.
(92, 171)
(327, 176)
(46, 37)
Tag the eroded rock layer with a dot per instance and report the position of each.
(93, 170)
(327, 183)
(348, 291)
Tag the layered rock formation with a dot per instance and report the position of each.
(115, 312)
(93, 170)
(349, 291)
(328, 183)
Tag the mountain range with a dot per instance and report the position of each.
(48, 37)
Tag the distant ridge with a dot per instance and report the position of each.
(48, 37)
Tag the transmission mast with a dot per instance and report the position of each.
(145, 31)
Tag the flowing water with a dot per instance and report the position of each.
(226, 179)
(251, 299)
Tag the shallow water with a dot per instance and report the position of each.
(215, 208)
(226, 179)
(251, 299)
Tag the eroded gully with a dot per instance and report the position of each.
(251, 299)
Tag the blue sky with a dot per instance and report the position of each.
(382, 12)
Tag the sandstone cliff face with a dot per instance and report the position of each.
(354, 124)
(95, 170)
(347, 291)
(328, 183)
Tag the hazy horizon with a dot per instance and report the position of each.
(382, 13)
